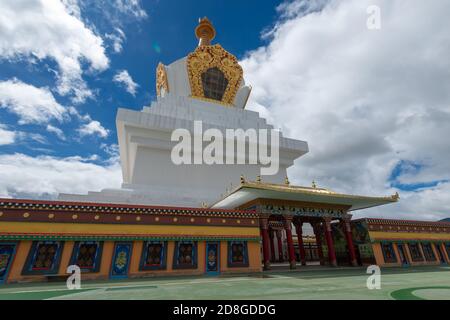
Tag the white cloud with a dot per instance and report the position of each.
(363, 99)
(111, 149)
(82, 117)
(93, 128)
(35, 105)
(117, 39)
(6, 136)
(9, 137)
(72, 7)
(123, 77)
(132, 7)
(51, 29)
(45, 176)
(57, 131)
(36, 137)
(29, 103)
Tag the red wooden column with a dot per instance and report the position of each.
(349, 237)
(264, 225)
(280, 246)
(272, 246)
(317, 232)
(290, 243)
(329, 239)
(301, 248)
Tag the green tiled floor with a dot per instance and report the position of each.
(306, 283)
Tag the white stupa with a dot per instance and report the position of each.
(207, 86)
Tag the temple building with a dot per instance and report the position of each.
(211, 219)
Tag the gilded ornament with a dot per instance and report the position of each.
(214, 56)
(205, 31)
(161, 79)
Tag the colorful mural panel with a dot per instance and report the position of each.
(121, 259)
(340, 244)
(362, 242)
(7, 251)
(360, 232)
(212, 257)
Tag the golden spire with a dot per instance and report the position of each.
(205, 32)
(314, 185)
(286, 181)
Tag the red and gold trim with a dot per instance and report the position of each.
(120, 237)
(87, 207)
(406, 226)
(69, 212)
(127, 218)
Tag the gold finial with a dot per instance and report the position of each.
(258, 178)
(242, 179)
(314, 184)
(396, 196)
(286, 181)
(204, 205)
(205, 32)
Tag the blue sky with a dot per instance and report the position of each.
(373, 105)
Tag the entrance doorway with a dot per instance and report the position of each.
(212, 258)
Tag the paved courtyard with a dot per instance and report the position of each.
(306, 283)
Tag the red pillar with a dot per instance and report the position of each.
(272, 246)
(290, 243)
(317, 233)
(349, 237)
(301, 248)
(264, 224)
(329, 239)
(280, 246)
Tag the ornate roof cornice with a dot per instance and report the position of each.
(43, 205)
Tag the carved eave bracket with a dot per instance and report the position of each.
(206, 57)
(162, 82)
